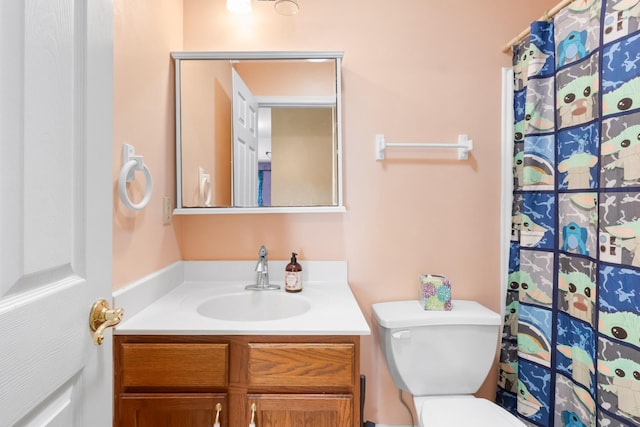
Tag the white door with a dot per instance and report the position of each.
(56, 210)
(245, 144)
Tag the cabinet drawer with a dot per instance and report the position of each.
(174, 365)
(301, 365)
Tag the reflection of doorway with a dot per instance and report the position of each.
(245, 144)
(303, 156)
(264, 156)
(297, 140)
(264, 183)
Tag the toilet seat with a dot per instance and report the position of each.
(463, 411)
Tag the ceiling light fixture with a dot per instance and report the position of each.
(287, 7)
(239, 7)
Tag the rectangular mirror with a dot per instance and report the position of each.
(258, 132)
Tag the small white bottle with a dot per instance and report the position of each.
(293, 275)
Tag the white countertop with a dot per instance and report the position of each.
(333, 310)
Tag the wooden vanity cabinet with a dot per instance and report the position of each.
(293, 381)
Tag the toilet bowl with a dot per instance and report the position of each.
(442, 358)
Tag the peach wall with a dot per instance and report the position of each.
(145, 32)
(424, 71)
(289, 78)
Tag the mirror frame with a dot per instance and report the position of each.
(178, 57)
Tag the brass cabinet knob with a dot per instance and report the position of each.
(253, 415)
(218, 409)
(102, 317)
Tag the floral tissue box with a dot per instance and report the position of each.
(435, 292)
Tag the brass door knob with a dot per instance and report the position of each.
(102, 317)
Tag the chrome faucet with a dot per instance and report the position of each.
(262, 273)
(262, 268)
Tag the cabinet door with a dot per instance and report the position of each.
(315, 410)
(171, 410)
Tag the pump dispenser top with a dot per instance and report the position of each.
(293, 275)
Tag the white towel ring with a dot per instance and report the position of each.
(127, 174)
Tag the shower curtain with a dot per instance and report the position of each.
(570, 351)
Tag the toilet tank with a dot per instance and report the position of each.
(433, 353)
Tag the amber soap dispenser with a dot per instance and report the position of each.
(293, 275)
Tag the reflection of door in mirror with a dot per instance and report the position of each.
(205, 116)
(245, 144)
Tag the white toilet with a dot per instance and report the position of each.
(442, 358)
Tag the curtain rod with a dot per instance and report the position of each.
(524, 33)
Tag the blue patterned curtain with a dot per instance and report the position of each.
(570, 352)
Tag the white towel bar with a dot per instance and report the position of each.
(464, 145)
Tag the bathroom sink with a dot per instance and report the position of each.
(254, 306)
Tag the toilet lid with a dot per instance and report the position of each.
(465, 411)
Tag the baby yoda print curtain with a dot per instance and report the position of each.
(570, 352)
